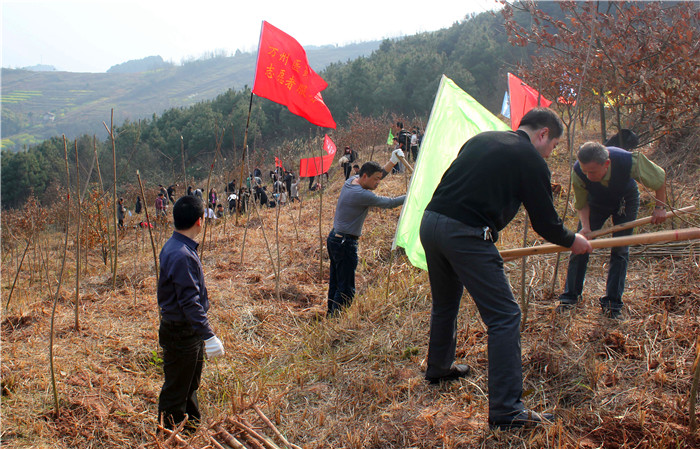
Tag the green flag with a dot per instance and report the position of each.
(390, 139)
(455, 118)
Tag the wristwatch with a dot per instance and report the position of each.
(660, 207)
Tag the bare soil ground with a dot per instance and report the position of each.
(354, 381)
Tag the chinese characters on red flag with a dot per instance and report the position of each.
(328, 145)
(284, 76)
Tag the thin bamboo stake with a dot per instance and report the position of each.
(77, 241)
(19, 268)
(182, 155)
(245, 150)
(294, 222)
(278, 206)
(99, 203)
(88, 178)
(60, 281)
(150, 231)
(262, 228)
(206, 202)
(273, 428)
(652, 237)
(110, 131)
(320, 229)
(524, 300)
(246, 206)
(570, 143)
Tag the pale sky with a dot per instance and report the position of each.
(93, 35)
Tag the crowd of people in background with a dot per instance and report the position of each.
(280, 187)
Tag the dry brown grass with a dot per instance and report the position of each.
(354, 381)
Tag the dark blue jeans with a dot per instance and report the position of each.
(342, 252)
(619, 257)
(456, 260)
(183, 360)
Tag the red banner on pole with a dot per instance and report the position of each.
(522, 99)
(284, 76)
(314, 166)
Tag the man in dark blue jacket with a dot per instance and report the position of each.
(185, 333)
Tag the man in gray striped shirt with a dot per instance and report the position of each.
(356, 197)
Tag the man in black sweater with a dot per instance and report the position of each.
(478, 196)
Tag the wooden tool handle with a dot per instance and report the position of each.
(405, 162)
(641, 239)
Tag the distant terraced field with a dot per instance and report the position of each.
(40, 105)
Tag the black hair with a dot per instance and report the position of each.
(399, 124)
(538, 118)
(370, 168)
(187, 210)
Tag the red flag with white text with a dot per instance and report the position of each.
(328, 145)
(284, 76)
(314, 166)
(522, 99)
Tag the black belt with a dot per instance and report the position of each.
(343, 235)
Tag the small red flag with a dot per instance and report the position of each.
(314, 166)
(278, 163)
(522, 99)
(329, 145)
(284, 76)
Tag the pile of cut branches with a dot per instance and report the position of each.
(231, 432)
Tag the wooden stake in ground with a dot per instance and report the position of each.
(77, 240)
(206, 202)
(643, 239)
(245, 150)
(320, 230)
(524, 298)
(60, 281)
(99, 207)
(110, 131)
(19, 268)
(148, 222)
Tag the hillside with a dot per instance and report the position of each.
(351, 382)
(39, 105)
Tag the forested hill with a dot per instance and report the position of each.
(37, 105)
(399, 79)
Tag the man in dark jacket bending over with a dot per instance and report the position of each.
(478, 196)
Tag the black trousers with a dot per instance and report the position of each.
(342, 252)
(183, 360)
(457, 259)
